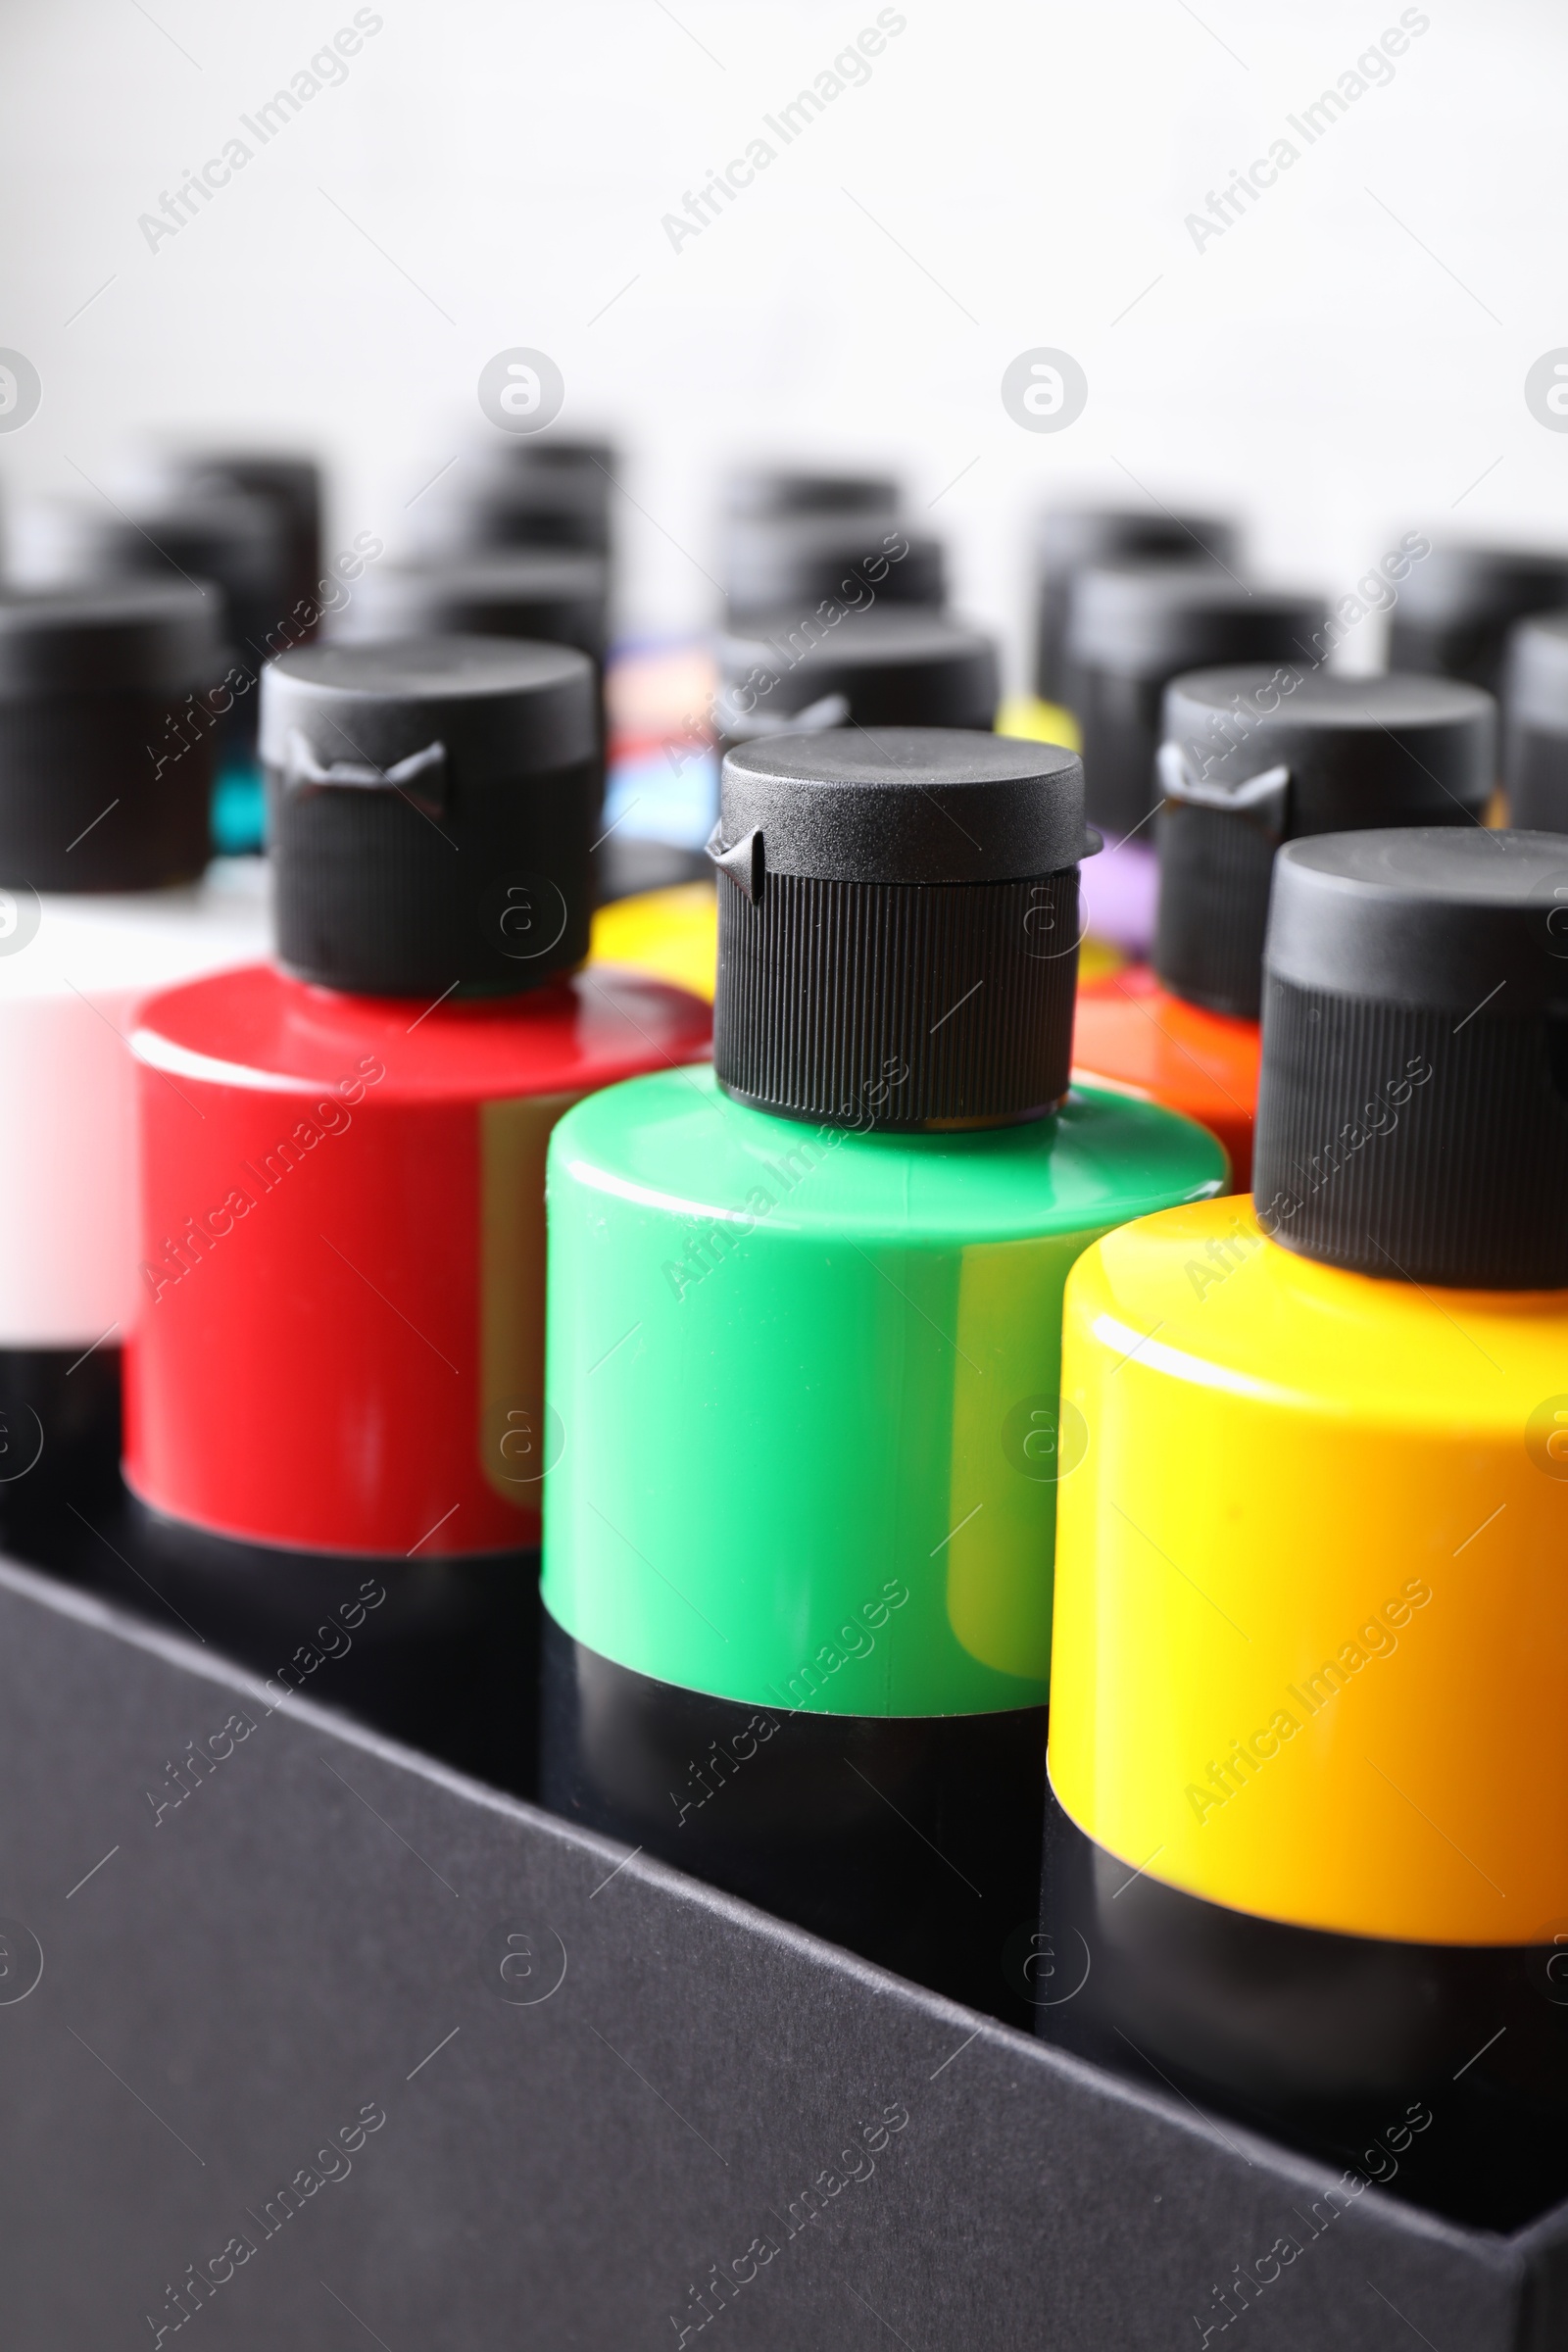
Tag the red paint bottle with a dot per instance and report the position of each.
(335, 1393)
(1252, 757)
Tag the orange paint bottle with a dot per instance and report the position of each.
(1250, 759)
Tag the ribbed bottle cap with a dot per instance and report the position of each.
(106, 762)
(550, 596)
(757, 490)
(1254, 756)
(1069, 539)
(787, 565)
(1535, 767)
(898, 926)
(1457, 604)
(1412, 1114)
(895, 665)
(431, 810)
(1131, 629)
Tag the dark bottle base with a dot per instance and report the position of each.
(59, 1433)
(914, 1841)
(1324, 2041)
(446, 1662)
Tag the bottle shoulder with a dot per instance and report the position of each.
(1130, 1030)
(1198, 1294)
(257, 1026)
(675, 1142)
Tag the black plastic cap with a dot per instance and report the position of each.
(106, 740)
(237, 542)
(430, 807)
(759, 490)
(893, 667)
(531, 506)
(779, 569)
(546, 594)
(1457, 605)
(1255, 756)
(556, 453)
(1535, 767)
(1133, 627)
(291, 485)
(1070, 539)
(1412, 1113)
(898, 933)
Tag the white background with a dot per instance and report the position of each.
(1342, 364)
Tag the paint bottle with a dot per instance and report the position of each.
(1069, 540)
(890, 667)
(799, 1537)
(1535, 710)
(242, 544)
(550, 596)
(289, 483)
(291, 486)
(336, 1384)
(103, 842)
(763, 490)
(1311, 1811)
(783, 570)
(1252, 757)
(1133, 627)
(1459, 602)
(518, 496)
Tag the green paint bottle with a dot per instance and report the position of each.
(803, 1353)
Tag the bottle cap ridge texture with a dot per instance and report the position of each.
(1412, 1117)
(898, 926)
(1253, 757)
(431, 811)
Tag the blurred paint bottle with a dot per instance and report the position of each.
(1133, 627)
(547, 596)
(526, 493)
(754, 492)
(1069, 540)
(241, 542)
(1534, 715)
(1250, 758)
(798, 1550)
(1309, 1705)
(887, 667)
(1457, 605)
(106, 769)
(785, 571)
(336, 1383)
(291, 486)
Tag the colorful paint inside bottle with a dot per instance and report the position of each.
(797, 1545)
(103, 847)
(1309, 1698)
(337, 1379)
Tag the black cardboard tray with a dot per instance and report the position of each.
(669, 2081)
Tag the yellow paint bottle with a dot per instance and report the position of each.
(1308, 1855)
